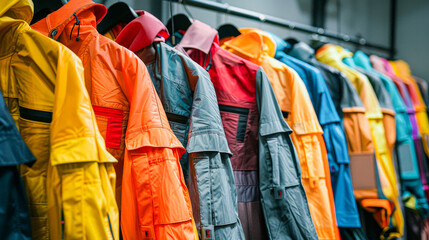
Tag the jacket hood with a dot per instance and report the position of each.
(17, 9)
(253, 43)
(281, 45)
(59, 19)
(302, 51)
(362, 60)
(347, 57)
(205, 34)
(141, 32)
(401, 68)
(335, 53)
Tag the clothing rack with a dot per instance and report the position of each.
(226, 8)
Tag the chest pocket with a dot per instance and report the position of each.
(109, 122)
(243, 115)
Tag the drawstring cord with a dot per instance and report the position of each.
(78, 28)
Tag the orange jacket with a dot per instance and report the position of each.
(257, 47)
(155, 202)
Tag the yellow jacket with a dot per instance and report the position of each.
(71, 186)
(258, 47)
(333, 55)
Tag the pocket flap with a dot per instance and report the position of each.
(269, 128)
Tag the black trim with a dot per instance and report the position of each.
(35, 115)
(242, 119)
(285, 114)
(62, 224)
(232, 109)
(241, 127)
(172, 117)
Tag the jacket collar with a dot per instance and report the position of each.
(252, 43)
(362, 60)
(377, 64)
(333, 53)
(387, 66)
(401, 68)
(281, 45)
(142, 32)
(303, 52)
(199, 36)
(53, 25)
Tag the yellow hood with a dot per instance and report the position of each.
(17, 9)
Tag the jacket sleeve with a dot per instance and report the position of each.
(155, 200)
(279, 169)
(80, 178)
(212, 184)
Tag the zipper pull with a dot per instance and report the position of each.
(53, 33)
(208, 67)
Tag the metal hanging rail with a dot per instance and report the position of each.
(226, 8)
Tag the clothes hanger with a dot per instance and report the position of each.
(43, 8)
(119, 12)
(291, 41)
(228, 30)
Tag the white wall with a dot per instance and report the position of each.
(367, 18)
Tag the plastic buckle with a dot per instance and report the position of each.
(208, 233)
(279, 193)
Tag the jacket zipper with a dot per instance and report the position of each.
(110, 226)
(212, 217)
(176, 118)
(53, 33)
(237, 110)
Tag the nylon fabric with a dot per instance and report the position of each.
(151, 192)
(257, 47)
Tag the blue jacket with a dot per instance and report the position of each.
(14, 213)
(336, 145)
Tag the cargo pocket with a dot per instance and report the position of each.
(38, 206)
(216, 197)
(311, 158)
(242, 119)
(167, 192)
(224, 207)
(72, 203)
(406, 161)
(282, 165)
